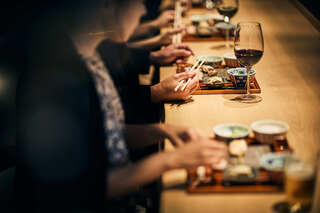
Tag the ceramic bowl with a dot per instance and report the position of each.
(238, 76)
(274, 164)
(273, 161)
(214, 18)
(268, 131)
(196, 19)
(231, 60)
(212, 60)
(231, 131)
(222, 27)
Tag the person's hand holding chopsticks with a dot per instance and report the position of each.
(164, 91)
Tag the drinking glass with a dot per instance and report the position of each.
(299, 184)
(248, 48)
(227, 8)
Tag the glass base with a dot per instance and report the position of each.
(285, 207)
(248, 98)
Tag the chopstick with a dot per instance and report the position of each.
(181, 82)
(184, 86)
(176, 39)
(192, 68)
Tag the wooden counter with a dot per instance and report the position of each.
(289, 76)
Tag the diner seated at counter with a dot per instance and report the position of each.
(78, 106)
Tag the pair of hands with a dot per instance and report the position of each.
(164, 91)
(193, 148)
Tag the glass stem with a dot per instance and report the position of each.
(248, 80)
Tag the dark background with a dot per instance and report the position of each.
(311, 5)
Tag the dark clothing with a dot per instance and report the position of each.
(124, 65)
(61, 165)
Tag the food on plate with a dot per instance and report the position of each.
(214, 80)
(209, 70)
(238, 147)
(204, 174)
(204, 31)
(241, 170)
(206, 68)
(212, 72)
(204, 24)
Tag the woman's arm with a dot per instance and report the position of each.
(194, 153)
(149, 27)
(139, 136)
(156, 41)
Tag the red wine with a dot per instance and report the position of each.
(227, 11)
(248, 57)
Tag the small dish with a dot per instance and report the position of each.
(274, 161)
(268, 131)
(223, 26)
(213, 81)
(240, 174)
(212, 60)
(196, 19)
(204, 31)
(214, 18)
(238, 76)
(274, 164)
(231, 60)
(231, 131)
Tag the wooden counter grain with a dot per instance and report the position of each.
(289, 76)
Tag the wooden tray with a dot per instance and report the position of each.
(215, 37)
(266, 182)
(228, 88)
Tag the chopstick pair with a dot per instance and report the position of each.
(176, 39)
(200, 60)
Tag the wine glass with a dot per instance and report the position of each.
(248, 48)
(227, 8)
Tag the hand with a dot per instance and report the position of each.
(175, 53)
(186, 5)
(179, 135)
(165, 19)
(166, 37)
(164, 91)
(200, 152)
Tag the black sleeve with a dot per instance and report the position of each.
(138, 60)
(61, 158)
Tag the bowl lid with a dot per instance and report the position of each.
(231, 130)
(270, 127)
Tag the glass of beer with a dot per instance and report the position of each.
(300, 179)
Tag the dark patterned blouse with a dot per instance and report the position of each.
(112, 112)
